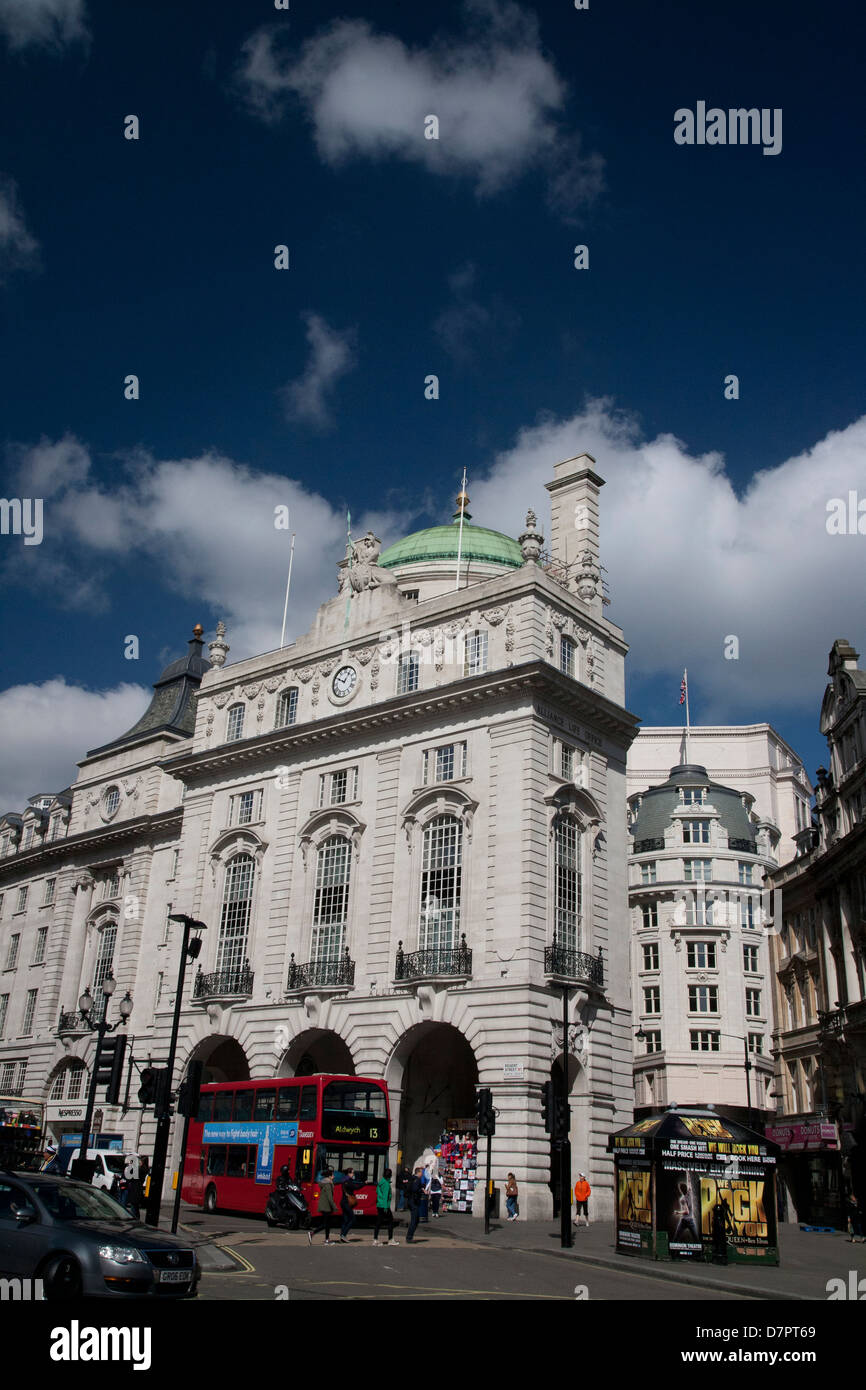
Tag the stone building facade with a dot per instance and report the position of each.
(406, 835)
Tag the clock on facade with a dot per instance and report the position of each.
(344, 682)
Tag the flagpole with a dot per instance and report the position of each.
(349, 558)
(688, 722)
(288, 587)
(460, 534)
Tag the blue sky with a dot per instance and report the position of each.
(408, 257)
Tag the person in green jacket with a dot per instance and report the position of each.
(384, 1215)
(327, 1205)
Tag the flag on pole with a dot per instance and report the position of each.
(684, 689)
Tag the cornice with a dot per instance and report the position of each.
(346, 725)
(141, 827)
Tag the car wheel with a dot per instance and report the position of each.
(210, 1199)
(62, 1279)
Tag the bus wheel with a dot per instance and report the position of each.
(210, 1199)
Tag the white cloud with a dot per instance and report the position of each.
(691, 561)
(43, 23)
(19, 249)
(495, 93)
(332, 355)
(46, 728)
(468, 326)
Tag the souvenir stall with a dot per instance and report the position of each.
(458, 1155)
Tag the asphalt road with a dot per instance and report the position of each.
(281, 1265)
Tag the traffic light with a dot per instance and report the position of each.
(109, 1070)
(560, 1118)
(548, 1107)
(485, 1111)
(190, 1089)
(155, 1088)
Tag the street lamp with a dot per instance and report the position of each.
(83, 1167)
(163, 1120)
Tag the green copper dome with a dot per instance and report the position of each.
(441, 542)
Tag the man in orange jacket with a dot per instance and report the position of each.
(582, 1191)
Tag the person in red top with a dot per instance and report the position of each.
(582, 1192)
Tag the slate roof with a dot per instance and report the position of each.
(172, 706)
(658, 804)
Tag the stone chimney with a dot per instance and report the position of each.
(574, 525)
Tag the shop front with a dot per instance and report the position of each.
(810, 1167)
(694, 1185)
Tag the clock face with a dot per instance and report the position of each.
(344, 682)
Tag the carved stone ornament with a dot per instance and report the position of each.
(495, 616)
(316, 687)
(222, 699)
(219, 648)
(531, 542)
(326, 667)
(374, 675)
(251, 691)
(83, 881)
(548, 634)
(424, 637)
(588, 577)
(273, 684)
(365, 655)
(509, 633)
(132, 786)
(305, 674)
(559, 620)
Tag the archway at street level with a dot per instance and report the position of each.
(434, 1069)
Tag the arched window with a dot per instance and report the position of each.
(235, 723)
(408, 673)
(331, 907)
(568, 884)
(441, 884)
(236, 912)
(103, 968)
(287, 708)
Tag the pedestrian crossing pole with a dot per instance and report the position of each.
(566, 1238)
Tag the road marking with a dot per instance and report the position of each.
(248, 1268)
(424, 1288)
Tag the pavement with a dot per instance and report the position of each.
(807, 1259)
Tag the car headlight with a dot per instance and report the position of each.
(123, 1255)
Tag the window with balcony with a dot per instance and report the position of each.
(701, 955)
(235, 723)
(331, 906)
(650, 955)
(704, 1040)
(568, 884)
(703, 999)
(441, 884)
(102, 969)
(287, 708)
(652, 999)
(235, 914)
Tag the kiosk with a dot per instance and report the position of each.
(693, 1185)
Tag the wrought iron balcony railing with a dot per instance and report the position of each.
(574, 965)
(223, 984)
(744, 846)
(71, 1022)
(646, 846)
(436, 960)
(322, 973)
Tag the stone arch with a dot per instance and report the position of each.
(317, 1050)
(222, 1057)
(434, 1072)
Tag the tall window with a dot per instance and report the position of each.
(29, 1012)
(750, 958)
(104, 963)
(649, 915)
(235, 724)
(111, 886)
(287, 708)
(56, 827)
(408, 673)
(648, 872)
(50, 885)
(4, 1008)
(331, 908)
(745, 872)
(58, 1084)
(747, 912)
(753, 1003)
(475, 654)
(566, 762)
(28, 836)
(651, 955)
(441, 884)
(566, 656)
(652, 999)
(569, 884)
(236, 912)
(39, 953)
(12, 953)
(22, 900)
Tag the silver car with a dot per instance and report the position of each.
(81, 1243)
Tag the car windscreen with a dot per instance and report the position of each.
(115, 1163)
(75, 1202)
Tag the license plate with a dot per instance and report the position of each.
(174, 1276)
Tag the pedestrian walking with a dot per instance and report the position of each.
(327, 1206)
(383, 1209)
(855, 1220)
(403, 1179)
(435, 1194)
(425, 1196)
(348, 1201)
(582, 1191)
(511, 1195)
(414, 1196)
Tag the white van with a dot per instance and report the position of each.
(110, 1164)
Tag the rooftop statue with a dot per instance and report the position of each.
(363, 570)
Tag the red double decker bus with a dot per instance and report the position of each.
(246, 1130)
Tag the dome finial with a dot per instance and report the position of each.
(462, 503)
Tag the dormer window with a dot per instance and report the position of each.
(28, 836)
(235, 724)
(693, 796)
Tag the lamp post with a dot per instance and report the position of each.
(163, 1118)
(84, 1167)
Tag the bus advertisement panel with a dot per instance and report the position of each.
(245, 1131)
